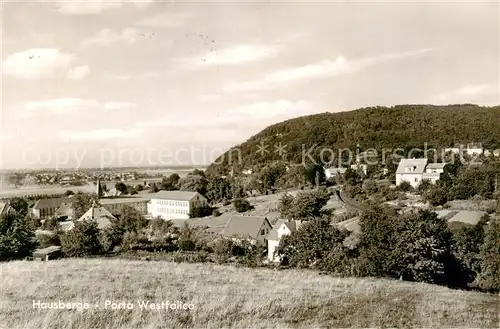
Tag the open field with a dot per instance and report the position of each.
(225, 296)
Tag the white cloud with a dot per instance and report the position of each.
(79, 72)
(128, 77)
(117, 105)
(106, 37)
(325, 68)
(230, 56)
(100, 134)
(79, 7)
(64, 105)
(210, 97)
(37, 63)
(482, 94)
(282, 109)
(117, 77)
(166, 20)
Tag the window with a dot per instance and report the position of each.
(262, 232)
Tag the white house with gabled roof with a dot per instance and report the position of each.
(281, 228)
(175, 204)
(414, 171)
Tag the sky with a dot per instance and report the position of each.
(158, 83)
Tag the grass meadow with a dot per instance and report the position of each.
(227, 297)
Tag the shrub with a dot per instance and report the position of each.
(47, 240)
(468, 240)
(311, 244)
(17, 237)
(223, 250)
(187, 240)
(305, 206)
(424, 185)
(436, 196)
(405, 186)
(82, 240)
(51, 224)
(216, 213)
(241, 205)
(489, 278)
(129, 241)
(370, 187)
(202, 211)
(415, 247)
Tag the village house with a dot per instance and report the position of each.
(457, 149)
(252, 228)
(6, 208)
(414, 171)
(433, 172)
(333, 172)
(98, 214)
(281, 228)
(115, 205)
(474, 149)
(174, 204)
(47, 208)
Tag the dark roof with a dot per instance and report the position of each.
(244, 226)
(50, 203)
(5, 207)
(100, 214)
(66, 209)
(175, 195)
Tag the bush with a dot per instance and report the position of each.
(405, 186)
(187, 239)
(311, 244)
(216, 213)
(51, 224)
(17, 237)
(82, 240)
(129, 241)
(202, 211)
(47, 240)
(305, 206)
(415, 247)
(223, 250)
(468, 240)
(436, 196)
(241, 205)
(489, 279)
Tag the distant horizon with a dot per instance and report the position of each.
(71, 166)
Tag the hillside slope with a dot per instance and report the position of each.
(225, 296)
(374, 127)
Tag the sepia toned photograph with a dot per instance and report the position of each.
(249, 164)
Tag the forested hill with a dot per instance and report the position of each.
(377, 127)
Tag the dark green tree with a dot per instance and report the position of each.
(82, 240)
(17, 237)
(489, 278)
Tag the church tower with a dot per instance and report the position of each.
(99, 189)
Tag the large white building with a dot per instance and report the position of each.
(414, 171)
(174, 204)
